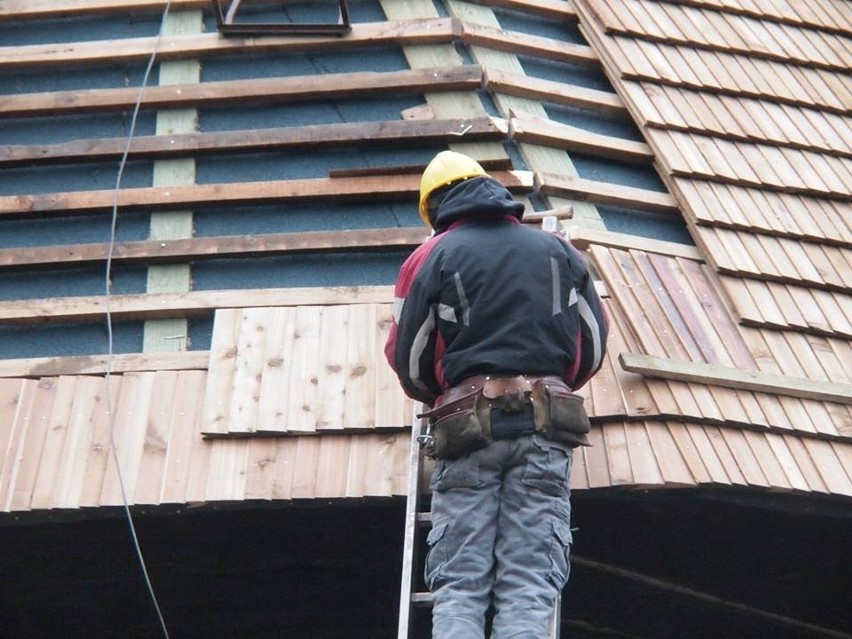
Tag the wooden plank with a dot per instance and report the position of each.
(356, 469)
(552, 92)
(285, 463)
(100, 446)
(736, 378)
(618, 459)
(129, 429)
(535, 130)
(261, 468)
(330, 372)
(30, 452)
(303, 391)
(226, 476)
(829, 466)
(745, 457)
(185, 432)
(51, 455)
(605, 394)
(315, 136)
(10, 396)
(305, 467)
(220, 382)
(682, 436)
(360, 367)
(145, 305)
(349, 189)
(555, 9)
(158, 251)
(607, 193)
(392, 409)
(597, 464)
(530, 45)
(158, 436)
(249, 364)
(673, 468)
(644, 464)
(245, 93)
(98, 364)
(332, 465)
(41, 9)
(765, 455)
(181, 46)
(706, 452)
(583, 238)
(85, 411)
(14, 424)
(276, 372)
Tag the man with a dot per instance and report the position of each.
(495, 323)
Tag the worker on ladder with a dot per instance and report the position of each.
(495, 324)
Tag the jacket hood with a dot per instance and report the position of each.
(475, 198)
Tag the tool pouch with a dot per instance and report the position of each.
(560, 414)
(462, 431)
(460, 426)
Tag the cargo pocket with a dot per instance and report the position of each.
(560, 552)
(548, 468)
(436, 557)
(455, 473)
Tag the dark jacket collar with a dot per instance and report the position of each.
(476, 198)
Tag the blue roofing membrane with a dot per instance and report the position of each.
(326, 269)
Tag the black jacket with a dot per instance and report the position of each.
(488, 295)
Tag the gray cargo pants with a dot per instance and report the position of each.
(500, 528)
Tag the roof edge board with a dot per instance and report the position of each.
(736, 378)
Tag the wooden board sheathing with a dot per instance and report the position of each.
(756, 304)
(743, 119)
(782, 259)
(665, 305)
(733, 74)
(683, 25)
(771, 213)
(63, 459)
(302, 370)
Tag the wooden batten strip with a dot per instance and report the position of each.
(35, 9)
(360, 134)
(99, 364)
(526, 44)
(607, 193)
(162, 251)
(184, 304)
(172, 47)
(246, 93)
(555, 9)
(547, 133)
(658, 367)
(344, 189)
(524, 86)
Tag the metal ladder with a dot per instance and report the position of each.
(415, 519)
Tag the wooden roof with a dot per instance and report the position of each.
(730, 362)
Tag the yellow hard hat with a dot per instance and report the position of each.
(444, 169)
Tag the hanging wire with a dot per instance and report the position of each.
(107, 292)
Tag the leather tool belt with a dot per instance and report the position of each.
(460, 421)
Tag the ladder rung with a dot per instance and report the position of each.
(421, 598)
(424, 518)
